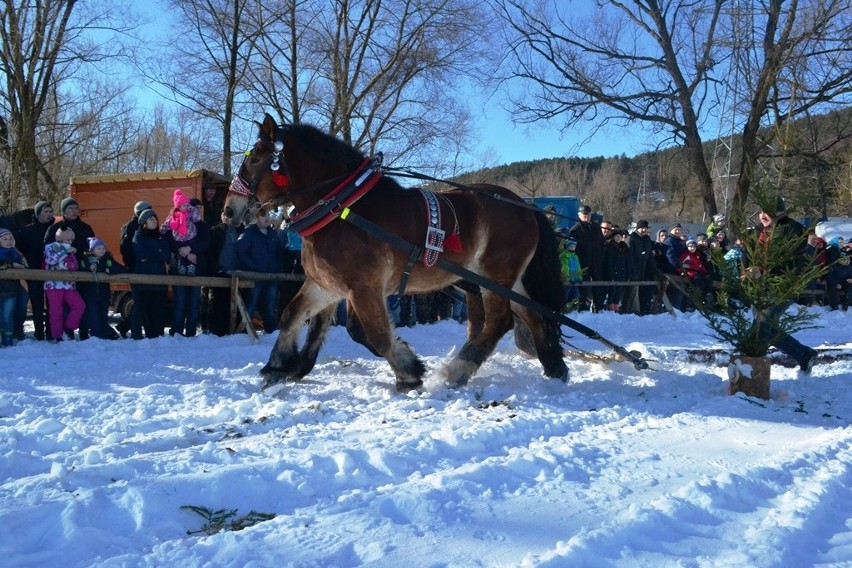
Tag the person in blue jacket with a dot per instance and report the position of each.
(259, 249)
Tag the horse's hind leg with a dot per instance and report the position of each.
(378, 334)
(498, 320)
(545, 336)
(286, 362)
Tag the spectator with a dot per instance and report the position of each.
(777, 225)
(212, 206)
(222, 260)
(572, 272)
(99, 260)
(693, 267)
(590, 242)
(259, 250)
(128, 231)
(31, 245)
(182, 223)
(150, 300)
(673, 246)
(10, 257)
(839, 277)
(192, 254)
(641, 266)
(719, 223)
(60, 255)
(616, 258)
(82, 231)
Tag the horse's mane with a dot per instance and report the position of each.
(329, 149)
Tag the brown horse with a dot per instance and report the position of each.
(483, 231)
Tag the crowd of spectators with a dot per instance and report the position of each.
(599, 255)
(605, 268)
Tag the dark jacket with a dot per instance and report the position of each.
(616, 261)
(590, 247)
(152, 255)
(9, 257)
(258, 252)
(104, 265)
(199, 245)
(31, 243)
(640, 261)
(222, 253)
(125, 247)
(673, 247)
(82, 232)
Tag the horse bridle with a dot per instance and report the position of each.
(274, 163)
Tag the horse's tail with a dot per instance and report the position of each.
(542, 277)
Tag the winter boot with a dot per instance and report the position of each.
(190, 270)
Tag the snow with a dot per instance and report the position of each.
(102, 444)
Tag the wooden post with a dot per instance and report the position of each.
(235, 292)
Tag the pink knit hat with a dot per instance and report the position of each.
(179, 199)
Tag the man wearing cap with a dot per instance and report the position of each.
(128, 256)
(641, 266)
(31, 245)
(82, 233)
(777, 225)
(590, 250)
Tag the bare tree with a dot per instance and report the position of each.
(43, 44)
(658, 63)
(204, 69)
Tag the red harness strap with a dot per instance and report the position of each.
(358, 183)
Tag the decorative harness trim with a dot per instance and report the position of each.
(350, 190)
(434, 234)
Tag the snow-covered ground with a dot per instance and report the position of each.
(104, 444)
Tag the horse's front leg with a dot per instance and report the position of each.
(380, 336)
(497, 321)
(286, 362)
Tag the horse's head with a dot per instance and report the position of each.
(263, 176)
(294, 163)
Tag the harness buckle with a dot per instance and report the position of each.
(435, 239)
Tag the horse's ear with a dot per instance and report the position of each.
(268, 127)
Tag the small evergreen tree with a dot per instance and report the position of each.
(768, 273)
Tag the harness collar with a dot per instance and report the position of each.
(353, 187)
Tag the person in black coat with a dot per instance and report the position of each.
(259, 250)
(98, 260)
(616, 258)
(221, 261)
(31, 245)
(641, 267)
(777, 225)
(128, 257)
(150, 300)
(590, 242)
(188, 298)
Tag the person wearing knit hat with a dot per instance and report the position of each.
(95, 242)
(641, 267)
(10, 290)
(145, 215)
(66, 203)
(140, 207)
(181, 225)
(39, 207)
(98, 260)
(179, 199)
